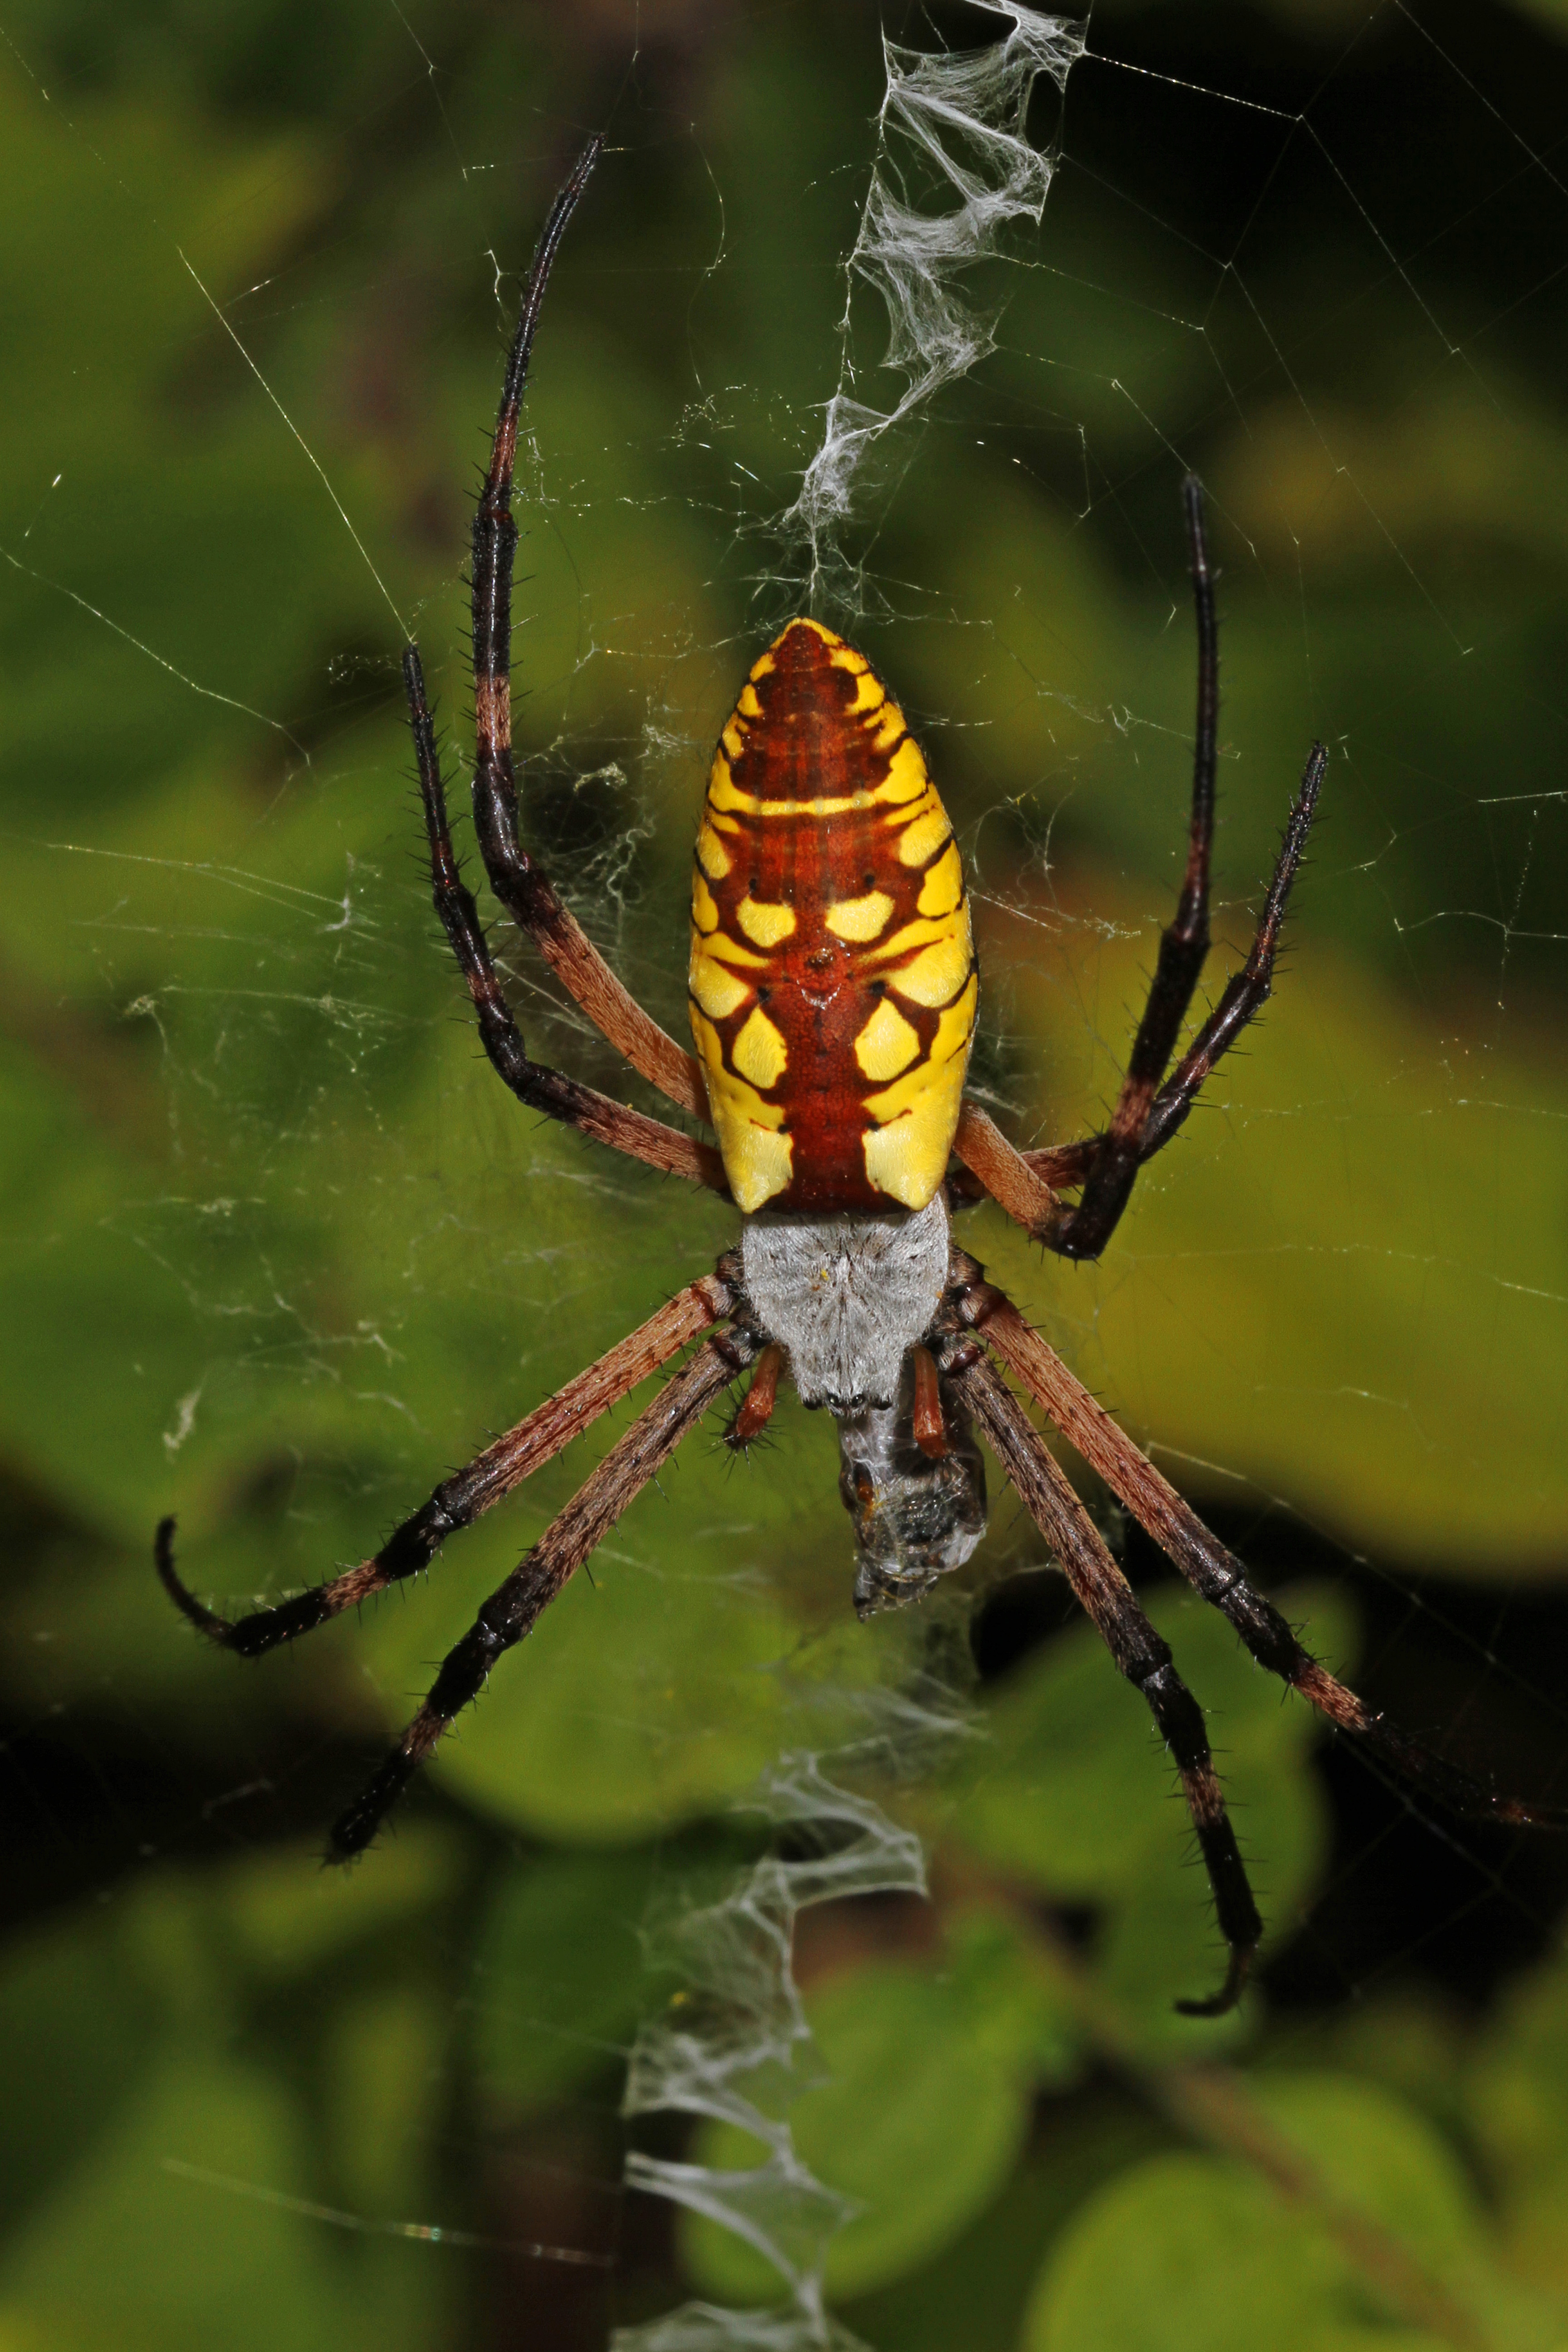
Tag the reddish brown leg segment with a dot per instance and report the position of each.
(757, 1409)
(1213, 1571)
(929, 1427)
(1142, 1655)
(514, 1608)
(996, 1168)
(1150, 1107)
(459, 1500)
(515, 877)
(542, 1089)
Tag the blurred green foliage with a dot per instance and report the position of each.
(277, 1250)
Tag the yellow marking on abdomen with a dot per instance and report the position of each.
(711, 855)
(907, 1151)
(887, 1045)
(758, 1158)
(861, 918)
(938, 973)
(704, 909)
(908, 1158)
(944, 887)
(730, 950)
(906, 778)
(923, 836)
(718, 991)
(766, 923)
(759, 1052)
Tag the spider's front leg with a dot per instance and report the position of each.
(516, 1605)
(1214, 1573)
(465, 1496)
(1141, 1654)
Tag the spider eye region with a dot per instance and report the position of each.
(828, 886)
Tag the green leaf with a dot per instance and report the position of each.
(205, 2159)
(1183, 2255)
(559, 1977)
(132, 2052)
(1297, 1290)
(1517, 2097)
(930, 2074)
(1073, 1791)
(1201, 2251)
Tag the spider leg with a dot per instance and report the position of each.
(1184, 946)
(1150, 1107)
(459, 1500)
(1247, 990)
(1213, 1571)
(514, 877)
(515, 1606)
(1139, 1650)
(593, 1114)
(1024, 1184)
(992, 1165)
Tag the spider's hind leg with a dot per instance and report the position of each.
(1150, 1106)
(516, 877)
(538, 1088)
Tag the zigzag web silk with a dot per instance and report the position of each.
(952, 167)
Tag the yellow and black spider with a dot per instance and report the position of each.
(833, 992)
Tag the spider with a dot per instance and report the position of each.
(833, 992)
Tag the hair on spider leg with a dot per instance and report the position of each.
(734, 1455)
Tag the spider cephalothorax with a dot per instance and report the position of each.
(845, 1304)
(834, 993)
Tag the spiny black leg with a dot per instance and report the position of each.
(495, 544)
(1213, 1571)
(1149, 1112)
(459, 1500)
(514, 1608)
(1247, 989)
(559, 1097)
(1217, 1577)
(1065, 1164)
(1183, 946)
(1139, 1650)
(518, 882)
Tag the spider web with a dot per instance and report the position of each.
(918, 324)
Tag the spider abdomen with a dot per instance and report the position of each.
(833, 980)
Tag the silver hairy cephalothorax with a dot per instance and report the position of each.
(848, 1297)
